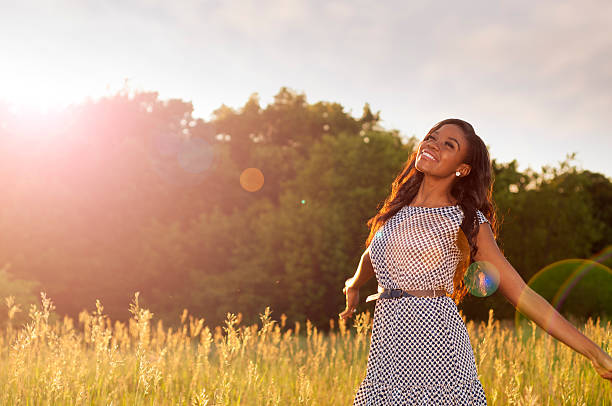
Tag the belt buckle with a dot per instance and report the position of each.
(393, 293)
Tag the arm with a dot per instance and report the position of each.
(534, 306)
(364, 272)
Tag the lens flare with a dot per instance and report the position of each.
(179, 160)
(571, 282)
(251, 179)
(481, 278)
(168, 143)
(195, 156)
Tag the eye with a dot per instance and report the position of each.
(449, 144)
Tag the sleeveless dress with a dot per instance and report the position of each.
(420, 351)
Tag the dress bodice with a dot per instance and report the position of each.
(417, 248)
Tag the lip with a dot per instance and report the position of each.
(430, 153)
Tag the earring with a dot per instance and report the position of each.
(457, 173)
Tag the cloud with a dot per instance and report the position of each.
(553, 63)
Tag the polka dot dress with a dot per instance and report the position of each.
(420, 351)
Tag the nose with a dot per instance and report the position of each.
(431, 143)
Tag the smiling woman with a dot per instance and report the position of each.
(437, 220)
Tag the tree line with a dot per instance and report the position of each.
(132, 193)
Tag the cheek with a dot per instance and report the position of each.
(451, 158)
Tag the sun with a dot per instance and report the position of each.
(48, 92)
(34, 94)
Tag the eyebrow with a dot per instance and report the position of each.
(458, 146)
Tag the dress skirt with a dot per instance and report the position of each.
(420, 354)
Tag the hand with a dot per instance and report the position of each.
(603, 365)
(352, 300)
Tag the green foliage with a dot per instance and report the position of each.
(576, 287)
(549, 217)
(104, 207)
(340, 185)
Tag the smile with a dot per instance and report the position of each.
(428, 156)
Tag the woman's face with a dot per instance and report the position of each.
(443, 152)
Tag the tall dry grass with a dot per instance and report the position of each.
(142, 363)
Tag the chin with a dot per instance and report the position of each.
(422, 169)
(429, 172)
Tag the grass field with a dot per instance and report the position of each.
(97, 362)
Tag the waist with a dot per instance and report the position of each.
(397, 293)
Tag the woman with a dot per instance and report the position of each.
(429, 229)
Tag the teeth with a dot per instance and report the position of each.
(427, 154)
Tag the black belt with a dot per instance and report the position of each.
(397, 293)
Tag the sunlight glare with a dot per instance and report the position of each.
(251, 179)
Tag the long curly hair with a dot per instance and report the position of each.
(474, 191)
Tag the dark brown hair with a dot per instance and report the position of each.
(474, 191)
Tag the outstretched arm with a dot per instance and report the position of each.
(534, 306)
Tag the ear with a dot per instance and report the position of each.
(464, 169)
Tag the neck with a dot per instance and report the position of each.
(434, 192)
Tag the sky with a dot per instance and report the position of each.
(533, 78)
